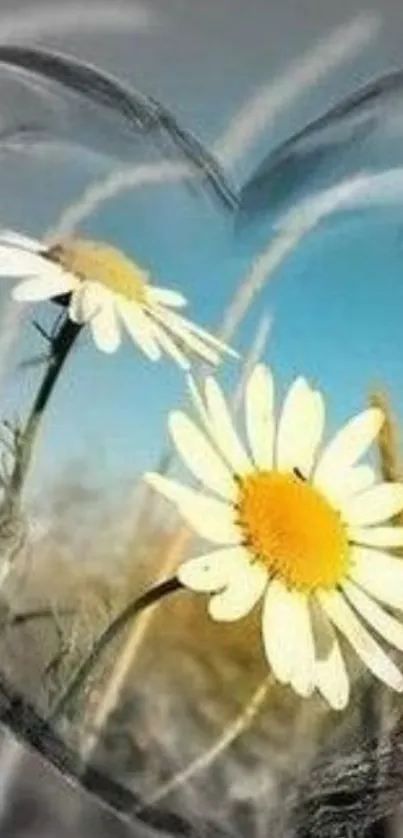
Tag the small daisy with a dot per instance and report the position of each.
(105, 289)
(303, 532)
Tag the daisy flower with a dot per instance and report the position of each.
(105, 289)
(305, 533)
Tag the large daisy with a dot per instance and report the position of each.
(105, 289)
(307, 534)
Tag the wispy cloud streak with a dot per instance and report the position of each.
(274, 98)
(290, 230)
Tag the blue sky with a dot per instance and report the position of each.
(337, 302)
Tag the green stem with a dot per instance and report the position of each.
(61, 346)
(132, 610)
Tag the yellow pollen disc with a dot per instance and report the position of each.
(98, 262)
(290, 527)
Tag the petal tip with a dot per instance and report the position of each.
(151, 478)
(17, 296)
(339, 703)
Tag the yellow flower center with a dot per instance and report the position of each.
(290, 527)
(98, 262)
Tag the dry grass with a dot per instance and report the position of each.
(178, 545)
(197, 722)
(390, 457)
(192, 713)
(189, 704)
(192, 681)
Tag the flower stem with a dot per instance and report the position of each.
(61, 346)
(135, 607)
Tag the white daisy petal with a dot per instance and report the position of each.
(84, 303)
(380, 574)
(345, 620)
(350, 482)
(375, 505)
(332, 679)
(139, 327)
(166, 297)
(275, 631)
(203, 334)
(206, 353)
(16, 262)
(300, 428)
(259, 402)
(13, 239)
(349, 444)
(331, 676)
(384, 624)
(357, 479)
(198, 402)
(170, 348)
(94, 297)
(211, 518)
(223, 429)
(76, 305)
(377, 536)
(164, 317)
(213, 571)
(43, 287)
(105, 325)
(218, 344)
(288, 638)
(245, 587)
(200, 457)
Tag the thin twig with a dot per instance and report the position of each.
(39, 614)
(228, 736)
